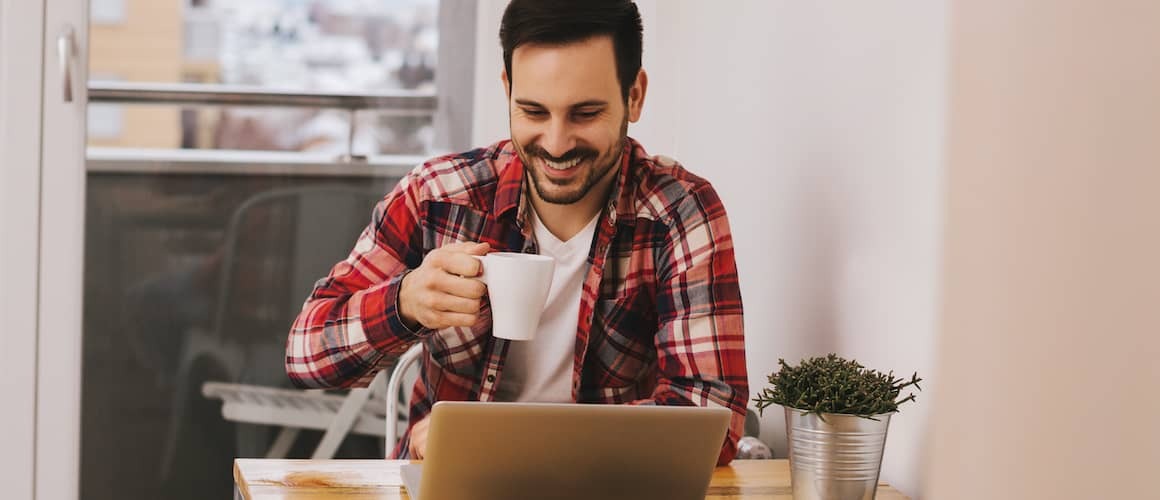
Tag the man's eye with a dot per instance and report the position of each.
(535, 112)
(585, 115)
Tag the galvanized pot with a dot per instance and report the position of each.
(837, 458)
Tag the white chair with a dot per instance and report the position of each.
(374, 410)
(395, 386)
(362, 411)
(294, 410)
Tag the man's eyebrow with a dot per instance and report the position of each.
(591, 103)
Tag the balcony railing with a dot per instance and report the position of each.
(394, 102)
(235, 162)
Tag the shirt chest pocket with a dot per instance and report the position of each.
(621, 345)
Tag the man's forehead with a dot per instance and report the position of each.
(598, 45)
(565, 74)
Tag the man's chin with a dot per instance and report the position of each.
(561, 197)
(559, 194)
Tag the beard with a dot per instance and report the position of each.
(598, 164)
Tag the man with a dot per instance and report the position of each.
(644, 306)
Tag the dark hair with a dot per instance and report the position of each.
(566, 21)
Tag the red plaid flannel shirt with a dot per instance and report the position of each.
(660, 314)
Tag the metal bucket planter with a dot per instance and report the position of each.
(837, 458)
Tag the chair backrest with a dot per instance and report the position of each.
(396, 393)
(277, 244)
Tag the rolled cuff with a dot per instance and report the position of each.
(382, 323)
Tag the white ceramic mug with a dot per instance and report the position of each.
(517, 287)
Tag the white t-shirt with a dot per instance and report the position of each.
(540, 369)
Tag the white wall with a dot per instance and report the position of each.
(820, 124)
(490, 122)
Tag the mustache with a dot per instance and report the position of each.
(536, 151)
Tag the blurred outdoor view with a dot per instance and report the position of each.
(314, 45)
(208, 223)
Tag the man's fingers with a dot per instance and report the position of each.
(478, 249)
(436, 320)
(461, 246)
(451, 303)
(471, 247)
(436, 294)
(418, 443)
(469, 288)
(451, 319)
(461, 264)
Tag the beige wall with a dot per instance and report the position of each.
(145, 47)
(1050, 348)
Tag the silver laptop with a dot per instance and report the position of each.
(485, 451)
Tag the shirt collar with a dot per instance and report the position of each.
(509, 187)
(510, 193)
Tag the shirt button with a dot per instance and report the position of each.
(491, 378)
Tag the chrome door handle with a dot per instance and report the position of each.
(64, 54)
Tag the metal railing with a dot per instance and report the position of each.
(237, 162)
(394, 102)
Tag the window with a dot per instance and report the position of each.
(216, 197)
(334, 46)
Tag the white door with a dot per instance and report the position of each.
(149, 211)
(42, 170)
(21, 65)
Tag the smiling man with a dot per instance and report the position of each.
(644, 306)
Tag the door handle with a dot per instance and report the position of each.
(65, 43)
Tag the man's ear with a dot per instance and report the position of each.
(636, 95)
(507, 85)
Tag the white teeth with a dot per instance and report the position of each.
(562, 166)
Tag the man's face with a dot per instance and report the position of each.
(568, 119)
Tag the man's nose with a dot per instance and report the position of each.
(557, 140)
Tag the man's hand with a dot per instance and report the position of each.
(441, 292)
(418, 446)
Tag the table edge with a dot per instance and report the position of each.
(240, 488)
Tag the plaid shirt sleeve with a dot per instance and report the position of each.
(350, 323)
(701, 342)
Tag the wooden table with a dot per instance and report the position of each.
(268, 479)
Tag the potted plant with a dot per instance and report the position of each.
(836, 415)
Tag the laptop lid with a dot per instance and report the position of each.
(484, 451)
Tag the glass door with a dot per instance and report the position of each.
(216, 158)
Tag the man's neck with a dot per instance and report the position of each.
(564, 221)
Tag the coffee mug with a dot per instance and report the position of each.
(517, 287)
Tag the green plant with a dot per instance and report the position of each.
(835, 385)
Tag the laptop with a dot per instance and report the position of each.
(486, 451)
